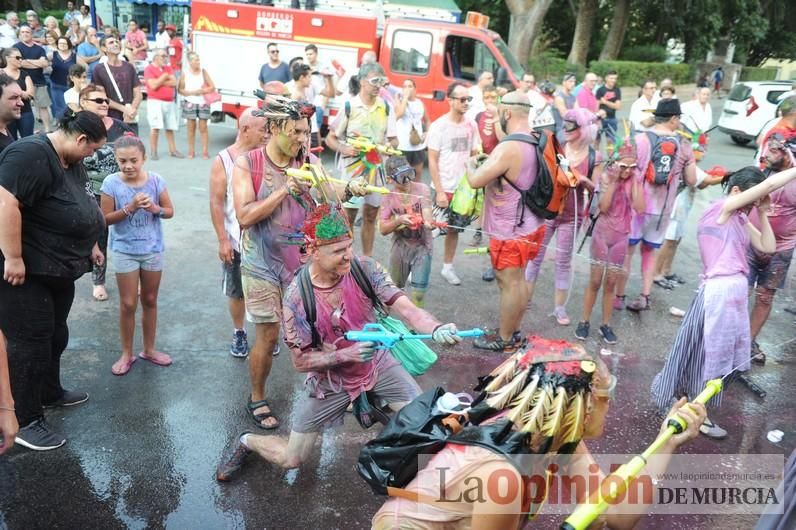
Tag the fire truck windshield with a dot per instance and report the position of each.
(512, 61)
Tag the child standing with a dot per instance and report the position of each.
(134, 201)
(407, 215)
(618, 192)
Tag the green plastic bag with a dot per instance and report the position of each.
(466, 200)
(414, 355)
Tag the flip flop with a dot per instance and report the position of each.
(251, 406)
(124, 368)
(161, 359)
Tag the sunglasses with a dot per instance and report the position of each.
(99, 101)
(17, 57)
(570, 126)
(622, 165)
(463, 99)
(273, 51)
(378, 81)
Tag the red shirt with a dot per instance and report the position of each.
(164, 93)
(175, 54)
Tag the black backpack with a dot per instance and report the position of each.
(390, 461)
(663, 151)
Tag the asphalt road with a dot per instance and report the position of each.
(141, 452)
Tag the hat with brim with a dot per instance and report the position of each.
(171, 27)
(667, 108)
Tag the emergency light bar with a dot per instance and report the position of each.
(476, 20)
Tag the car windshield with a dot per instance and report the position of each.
(512, 61)
(740, 92)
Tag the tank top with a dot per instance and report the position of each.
(231, 225)
(722, 247)
(503, 206)
(194, 82)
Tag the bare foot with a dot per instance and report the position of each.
(100, 294)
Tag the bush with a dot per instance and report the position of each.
(548, 66)
(749, 73)
(648, 53)
(633, 73)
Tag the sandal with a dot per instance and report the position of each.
(159, 358)
(251, 406)
(121, 368)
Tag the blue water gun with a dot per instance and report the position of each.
(387, 339)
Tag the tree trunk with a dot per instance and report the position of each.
(616, 33)
(37, 7)
(584, 25)
(526, 24)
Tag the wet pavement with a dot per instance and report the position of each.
(141, 452)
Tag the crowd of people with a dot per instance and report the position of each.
(286, 241)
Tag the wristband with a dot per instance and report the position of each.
(161, 213)
(126, 211)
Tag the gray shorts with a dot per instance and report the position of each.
(41, 98)
(230, 283)
(394, 385)
(126, 263)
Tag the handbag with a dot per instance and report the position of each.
(414, 136)
(210, 97)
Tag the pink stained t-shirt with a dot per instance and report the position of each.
(395, 204)
(502, 203)
(659, 199)
(617, 218)
(587, 100)
(578, 194)
(782, 217)
(723, 246)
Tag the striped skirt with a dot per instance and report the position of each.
(706, 348)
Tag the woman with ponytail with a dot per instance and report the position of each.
(714, 337)
(43, 253)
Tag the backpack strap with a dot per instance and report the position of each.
(592, 160)
(524, 138)
(366, 287)
(347, 107)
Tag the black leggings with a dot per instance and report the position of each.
(33, 319)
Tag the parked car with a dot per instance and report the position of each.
(750, 105)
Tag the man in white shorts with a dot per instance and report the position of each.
(161, 112)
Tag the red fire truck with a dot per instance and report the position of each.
(231, 39)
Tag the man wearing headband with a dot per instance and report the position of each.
(367, 115)
(407, 215)
(270, 207)
(338, 370)
(515, 232)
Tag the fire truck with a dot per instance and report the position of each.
(418, 40)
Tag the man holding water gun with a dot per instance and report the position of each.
(335, 293)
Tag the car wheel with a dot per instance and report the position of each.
(740, 140)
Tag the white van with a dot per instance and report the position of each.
(750, 105)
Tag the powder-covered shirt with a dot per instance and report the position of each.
(142, 232)
(270, 248)
(782, 216)
(394, 204)
(375, 122)
(659, 198)
(617, 217)
(343, 307)
(455, 142)
(723, 246)
(579, 194)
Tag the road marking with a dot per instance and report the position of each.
(195, 188)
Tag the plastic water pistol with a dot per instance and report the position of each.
(417, 222)
(611, 489)
(315, 174)
(363, 145)
(387, 339)
(476, 251)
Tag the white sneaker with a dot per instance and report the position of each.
(450, 276)
(711, 430)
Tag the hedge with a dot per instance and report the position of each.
(652, 53)
(749, 73)
(632, 73)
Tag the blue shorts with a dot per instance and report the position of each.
(648, 229)
(126, 263)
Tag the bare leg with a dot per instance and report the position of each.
(621, 283)
(451, 242)
(513, 300)
(663, 262)
(150, 284)
(561, 297)
(153, 142)
(369, 215)
(44, 114)
(764, 299)
(611, 278)
(170, 141)
(647, 266)
(352, 215)
(286, 453)
(260, 358)
(128, 303)
(191, 137)
(237, 310)
(204, 138)
(590, 296)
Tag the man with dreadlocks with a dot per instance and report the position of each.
(334, 293)
(535, 409)
(271, 208)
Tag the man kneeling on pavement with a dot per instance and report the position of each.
(338, 370)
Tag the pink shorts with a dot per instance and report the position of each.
(608, 247)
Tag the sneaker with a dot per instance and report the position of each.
(642, 303)
(608, 334)
(240, 344)
(711, 430)
(39, 437)
(488, 275)
(561, 316)
(619, 302)
(582, 331)
(232, 459)
(477, 239)
(664, 283)
(758, 357)
(676, 278)
(70, 397)
(450, 276)
(277, 347)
